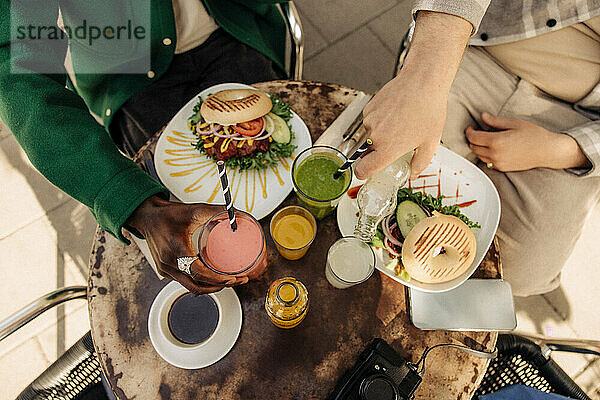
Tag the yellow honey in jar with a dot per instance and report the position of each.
(287, 302)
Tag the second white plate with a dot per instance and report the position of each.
(461, 183)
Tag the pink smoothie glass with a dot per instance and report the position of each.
(239, 253)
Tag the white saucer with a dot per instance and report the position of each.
(199, 355)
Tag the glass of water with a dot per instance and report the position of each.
(350, 261)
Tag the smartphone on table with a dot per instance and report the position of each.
(476, 305)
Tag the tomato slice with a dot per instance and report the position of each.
(250, 128)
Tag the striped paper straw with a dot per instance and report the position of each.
(352, 158)
(227, 195)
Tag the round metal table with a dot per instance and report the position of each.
(268, 362)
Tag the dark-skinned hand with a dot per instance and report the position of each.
(168, 227)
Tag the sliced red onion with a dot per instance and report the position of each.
(263, 127)
(390, 248)
(214, 129)
(258, 135)
(242, 137)
(263, 136)
(427, 212)
(198, 131)
(227, 133)
(387, 231)
(385, 227)
(226, 136)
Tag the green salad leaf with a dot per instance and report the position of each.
(432, 203)
(196, 117)
(377, 240)
(280, 108)
(405, 276)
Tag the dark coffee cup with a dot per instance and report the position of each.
(192, 319)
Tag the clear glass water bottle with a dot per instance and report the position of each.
(377, 198)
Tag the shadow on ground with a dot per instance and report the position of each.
(539, 316)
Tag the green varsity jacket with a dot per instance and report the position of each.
(53, 124)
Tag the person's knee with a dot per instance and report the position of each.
(524, 285)
(538, 228)
(531, 267)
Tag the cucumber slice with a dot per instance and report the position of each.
(281, 132)
(408, 214)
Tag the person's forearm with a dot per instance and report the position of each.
(408, 113)
(54, 126)
(65, 143)
(438, 43)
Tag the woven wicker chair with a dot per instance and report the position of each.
(76, 374)
(526, 361)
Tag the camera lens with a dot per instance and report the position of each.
(378, 387)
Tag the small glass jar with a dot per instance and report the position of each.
(287, 302)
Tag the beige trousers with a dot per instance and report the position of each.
(543, 210)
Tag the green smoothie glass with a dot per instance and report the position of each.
(312, 176)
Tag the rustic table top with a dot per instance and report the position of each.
(267, 362)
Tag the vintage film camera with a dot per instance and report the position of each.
(380, 374)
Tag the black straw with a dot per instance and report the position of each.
(227, 195)
(352, 158)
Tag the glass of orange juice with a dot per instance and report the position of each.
(293, 229)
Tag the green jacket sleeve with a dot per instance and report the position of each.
(55, 129)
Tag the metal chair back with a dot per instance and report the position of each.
(296, 34)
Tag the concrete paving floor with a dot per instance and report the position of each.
(45, 235)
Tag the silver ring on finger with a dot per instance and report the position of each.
(184, 264)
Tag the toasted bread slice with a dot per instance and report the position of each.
(232, 106)
(438, 249)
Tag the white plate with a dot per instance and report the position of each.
(198, 355)
(192, 177)
(460, 182)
